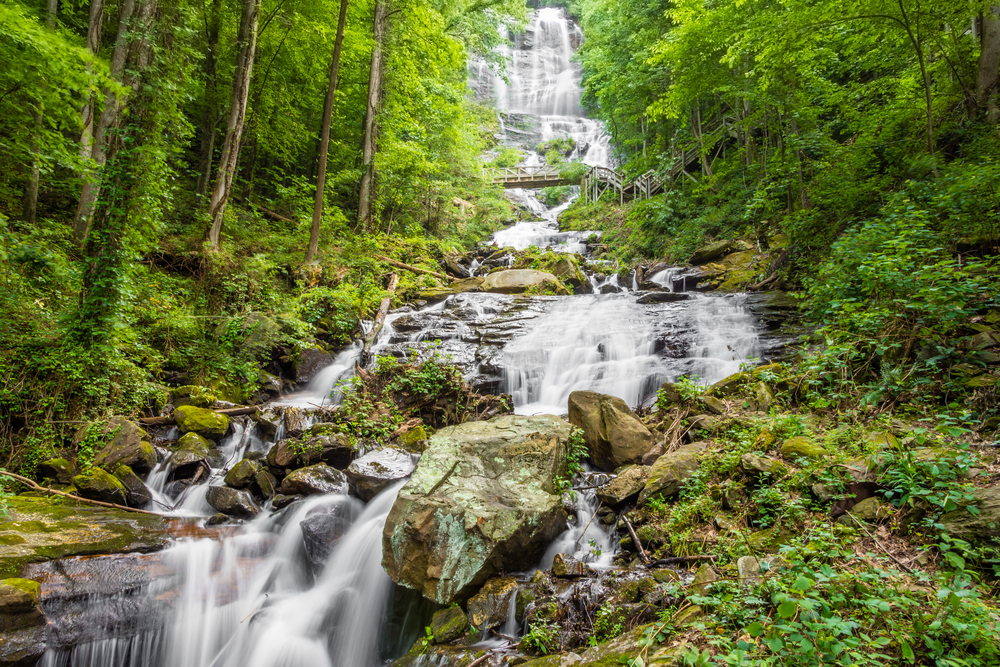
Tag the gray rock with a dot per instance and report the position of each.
(985, 525)
(317, 479)
(615, 436)
(749, 570)
(670, 471)
(516, 281)
(376, 470)
(281, 501)
(714, 405)
(234, 502)
(320, 532)
(311, 362)
(267, 421)
(663, 297)
(482, 500)
(137, 493)
(564, 565)
(626, 486)
(755, 464)
(489, 607)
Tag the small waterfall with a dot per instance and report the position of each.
(725, 336)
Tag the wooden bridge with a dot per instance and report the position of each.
(598, 182)
(595, 183)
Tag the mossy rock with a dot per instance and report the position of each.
(728, 386)
(767, 540)
(18, 596)
(414, 439)
(449, 624)
(119, 442)
(801, 447)
(194, 443)
(192, 395)
(204, 422)
(883, 440)
(242, 475)
(41, 529)
(58, 470)
(98, 484)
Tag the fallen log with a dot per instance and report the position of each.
(680, 559)
(43, 489)
(635, 538)
(426, 272)
(383, 310)
(169, 419)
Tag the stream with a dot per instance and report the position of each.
(249, 596)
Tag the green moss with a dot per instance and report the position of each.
(204, 422)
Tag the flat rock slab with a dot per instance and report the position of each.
(482, 500)
(37, 530)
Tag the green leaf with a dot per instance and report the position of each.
(803, 584)
(906, 651)
(788, 608)
(755, 629)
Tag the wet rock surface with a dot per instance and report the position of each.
(374, 471)
(481, 499)
(615, 435)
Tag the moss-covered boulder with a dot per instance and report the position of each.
(39, 529)
(58, 470)
(117, 442)
(137, 494)
(449, 624)
(975, 527)
(315, 480)
(22, 623)
(482, 500)
(710, 252)
(232, 502)
(614, 434)
(97, 484)
(192, 395)
(671, 471)
(208, 424)
(242, 475)
(192, 442)
(413, 439)
(729, 385)
(756, 465)
(801, 447)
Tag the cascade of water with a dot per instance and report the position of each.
(725, 336)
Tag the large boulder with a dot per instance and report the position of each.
(121, 442)
(626, 486)
(516, 281)
(97, 484)
(376, 470)
(710, 252)
(310, 363)
(670, 471)
(58, 470)
(207, 424)
(320, 532)
(137, 493)
(234, 502)
(481, 501)
(315, 480)
(981, 526)
(243, 474)
(615, 436)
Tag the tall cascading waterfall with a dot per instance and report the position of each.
(544, 92)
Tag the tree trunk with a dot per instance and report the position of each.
(237, 114)
(209, 116)
(105, 250)
(989, 65)
(29, 207)
(94, 45)
(368, 145)
(88, 196)
(324, 136)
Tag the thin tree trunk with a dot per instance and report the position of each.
(90, 191)
(237, 114)
(989, 65)
(368, 145)
(29, 207)
(210, 114)
(94, 26)
(324, 136)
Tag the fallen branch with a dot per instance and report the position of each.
(37, 487)
(383, 310)
(767, 281)
(674, 560)
(576, 545)
(879, 544)
(273, 215)
(480, 660)
(635, 538)
(426, 272)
